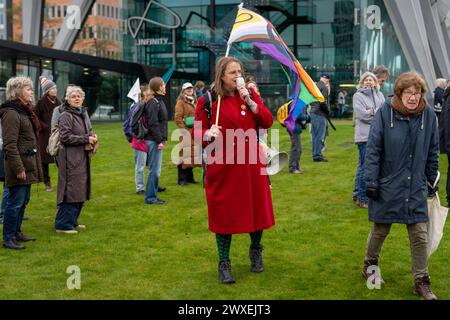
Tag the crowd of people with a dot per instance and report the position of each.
(397, 139)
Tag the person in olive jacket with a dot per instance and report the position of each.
(402, 157)
(156, 138)
(74, 168)
(20, 131)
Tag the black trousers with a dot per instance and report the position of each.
(185, 175)
(46, 172)
(447, 187)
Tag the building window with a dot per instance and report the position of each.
(52, 12)
(103, 10)
(59, 12)
(65, 11)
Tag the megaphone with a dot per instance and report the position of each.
(275, 160)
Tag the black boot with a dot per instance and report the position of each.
(11, 244)
(20, 237)
(225, 275)
(256, 259)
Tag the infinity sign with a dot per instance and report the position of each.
(144, 19)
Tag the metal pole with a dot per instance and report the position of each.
(212, 56)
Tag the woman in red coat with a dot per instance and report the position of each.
(237, 189)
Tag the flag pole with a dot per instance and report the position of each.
(219, 99)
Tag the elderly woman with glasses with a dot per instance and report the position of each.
(76, 144)
(402, 156)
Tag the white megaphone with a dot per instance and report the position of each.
(275, 160)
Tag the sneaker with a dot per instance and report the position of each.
(161, 189)
(81, 226)
(296, 171)
(158, 201)
(140, 192)
(320, 160)
(48, 187)
(67, 231)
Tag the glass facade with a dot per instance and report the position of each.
(341, 37)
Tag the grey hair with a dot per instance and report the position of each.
(15, 86)
(441, 83)
(72, 90)
(366, 75)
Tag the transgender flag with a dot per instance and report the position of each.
(252, 27)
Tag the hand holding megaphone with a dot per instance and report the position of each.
(240, 83)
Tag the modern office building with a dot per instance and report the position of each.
(106, 44)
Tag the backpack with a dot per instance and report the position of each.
(283, 112)
(139, 122)
(127, 122)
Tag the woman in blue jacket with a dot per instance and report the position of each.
(402, 156)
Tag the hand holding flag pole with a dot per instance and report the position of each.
(254, 28)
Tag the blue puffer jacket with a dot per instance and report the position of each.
(402, 155)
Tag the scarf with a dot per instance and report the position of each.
(404, 111)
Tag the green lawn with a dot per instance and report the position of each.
(135, 251)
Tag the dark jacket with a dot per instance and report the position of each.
(402, 155)
(444, 123)
(438, 97)
(157, 118)
(20, 145)
(44, 111)
(321, 108)
(74, 178)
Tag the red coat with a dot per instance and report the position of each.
(238, 195)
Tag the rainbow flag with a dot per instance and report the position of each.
(252, 27)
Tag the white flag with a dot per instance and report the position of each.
(135, 91)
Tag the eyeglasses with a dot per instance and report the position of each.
(409, 94)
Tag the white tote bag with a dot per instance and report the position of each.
(437, 215)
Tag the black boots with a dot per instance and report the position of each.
(225, 275)
(23, 238)
(12, 244)
(256, 261)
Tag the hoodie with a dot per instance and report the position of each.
(366, 102)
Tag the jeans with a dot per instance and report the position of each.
(154, 164)
(15, 202)
(296, 152)
(318, 132)
(362, 172)
(67, 216)
(140, 159)
(4, 196)
(418, 240)
(356, 181)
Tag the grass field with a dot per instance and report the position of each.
(135, 251)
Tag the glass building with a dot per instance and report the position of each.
(343, 38)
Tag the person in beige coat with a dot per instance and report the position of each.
(184, 118)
